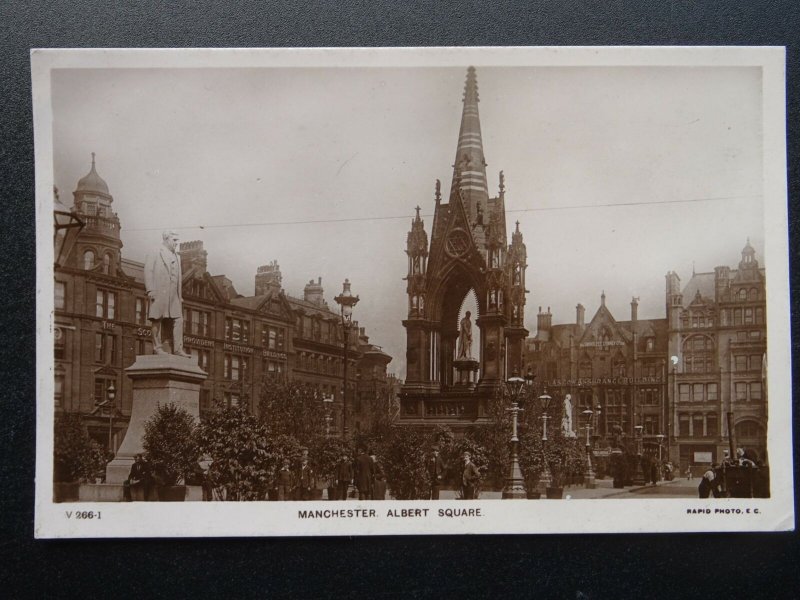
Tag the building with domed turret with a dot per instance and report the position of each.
(101, 326)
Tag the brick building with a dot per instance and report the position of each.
(678, 377)
(101, 325)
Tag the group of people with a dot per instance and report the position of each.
(740, 476)
(365, 475)
(470, 476)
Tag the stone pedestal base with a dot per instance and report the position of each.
(157, 379)
(466, 372)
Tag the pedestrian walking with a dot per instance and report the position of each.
(378, 479)
(344, 477)
(285, 481)
(363, 474)
(707, 485)
(306, 479)
(469, 478)
(654, 472)
(435, 473)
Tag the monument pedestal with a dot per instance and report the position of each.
(157, 379)
(466, 372)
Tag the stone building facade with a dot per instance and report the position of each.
(101, 325)
(677, 377)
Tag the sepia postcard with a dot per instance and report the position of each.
(371, 291)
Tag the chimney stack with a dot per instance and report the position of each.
(580, 315)
(193, 255)
(313, 292)
(634, 309)
(544, 320)
(268, 278)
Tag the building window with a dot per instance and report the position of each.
(684, 390)
(144, 347)
(741, 391)
(231, 399)
(106, 303)
(740, 363)
(737, 316)
(748, 316)
(101, 385)
(650, 344)
(712, 428)
(650, 425)
(755, 362)
(140, 311)
(237, 330)
(760, 316)
(683, 425)
(748, 429)
(88, 260)
(742, 295)
(755, 334)
(698, 351)
(650, 369)
(203, 358)
(237, 367)
(585, 369)
(650, 396)
(106, 263)
(196, 321)
(60, 343)
(712, 392)
(755, 391)
(58, 395)
(697, 392)
(60, 295)
(697, 425)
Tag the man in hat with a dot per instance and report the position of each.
(469, 478)
(344, 476)
(285, 481)
(305, 479)
(364, 472)
(435, 472)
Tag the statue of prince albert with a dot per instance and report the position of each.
(163, 282)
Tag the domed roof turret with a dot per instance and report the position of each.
(92, 182)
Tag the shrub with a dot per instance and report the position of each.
(170, 444)
(76, 456)
(404, 464)
(243, 459)
(323, 454)
(291, 408)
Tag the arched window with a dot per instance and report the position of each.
(748, 429)
(753, 294)
(620, 369)
(106, 263)
(698, 353)
(88, 260)
(742, 295)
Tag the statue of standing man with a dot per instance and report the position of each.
(465, 337)
(163, 282)
(566, 419)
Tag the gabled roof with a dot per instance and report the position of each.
(702, 282)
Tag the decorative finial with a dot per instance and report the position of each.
(502, 182)
(92, 160)
(693, 271)
(517, 224)
(438, 190)
(603, 298)
(417, 209)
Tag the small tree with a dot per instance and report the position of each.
(243, 459)
(324, 453)
(170, 444)
(291, 408)
(404, 464)
(76, 456)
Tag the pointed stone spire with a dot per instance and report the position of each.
(470, 161)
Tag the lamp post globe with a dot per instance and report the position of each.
(515, 483)
(346, 301)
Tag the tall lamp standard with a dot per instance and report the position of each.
(545, 480)
(108, 408)
(638, 478)
(515, 483)
(589, 476)
(346, 302)
(327, 402)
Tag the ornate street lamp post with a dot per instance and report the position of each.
(545, 480)
(589, 476)
(515, 483)
(66, 227)
(638, 478)
(660, 438)
(328, 403)
(107, 408)
(346, 302)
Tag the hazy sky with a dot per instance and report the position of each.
(231, 156)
